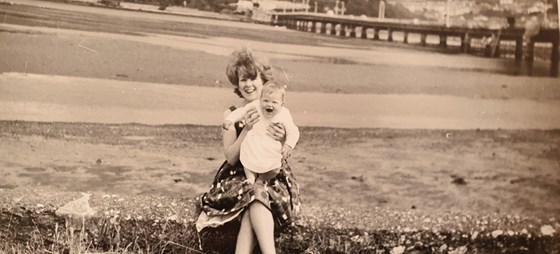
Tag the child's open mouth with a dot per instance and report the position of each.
(269, 110)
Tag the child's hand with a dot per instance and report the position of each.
(226, 125)
(286, 151)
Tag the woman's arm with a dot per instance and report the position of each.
(230, 140)
(232, 144)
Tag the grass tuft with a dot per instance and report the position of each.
(27, 231)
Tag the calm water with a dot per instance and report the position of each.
(476, 60)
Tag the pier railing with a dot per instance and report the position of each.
(370, 28)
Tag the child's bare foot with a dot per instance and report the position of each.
(250, 180)
(250, 176)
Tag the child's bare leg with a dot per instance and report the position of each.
(250, 175)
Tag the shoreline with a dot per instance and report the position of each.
(73, 99)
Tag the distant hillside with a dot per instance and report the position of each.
(491, 8)
(369, 8)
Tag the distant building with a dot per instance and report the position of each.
(421, 6)
(506, 1)
(270, 5)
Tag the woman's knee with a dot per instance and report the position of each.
(258, 206)
(246, 215)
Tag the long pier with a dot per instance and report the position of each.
(339, 25)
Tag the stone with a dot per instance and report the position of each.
(78, 208)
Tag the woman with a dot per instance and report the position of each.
(262, 207)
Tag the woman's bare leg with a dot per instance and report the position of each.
(263, 225)
(246, 237)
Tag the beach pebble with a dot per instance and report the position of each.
(547, 230)
(474, 235)
(171, 218)
(460, 250)
(398, 250)
(497, 233)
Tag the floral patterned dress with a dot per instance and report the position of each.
(230, 194)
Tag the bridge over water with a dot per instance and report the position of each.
(371, 28)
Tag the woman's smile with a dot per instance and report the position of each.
(250, 89)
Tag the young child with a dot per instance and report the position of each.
(260, 153)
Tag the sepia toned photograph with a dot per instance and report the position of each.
(280, 126)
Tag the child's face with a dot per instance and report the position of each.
(271, 103)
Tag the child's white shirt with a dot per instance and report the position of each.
(259, 152)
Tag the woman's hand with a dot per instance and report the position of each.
(286, 151)
(251, 118)
(277, 131)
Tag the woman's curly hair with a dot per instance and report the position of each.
(244, 64)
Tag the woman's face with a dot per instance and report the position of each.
(250, 88)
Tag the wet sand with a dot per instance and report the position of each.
(70, 99)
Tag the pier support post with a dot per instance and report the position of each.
(376, 33)
(423, 39)
(530, 52)
(389, 34)
(405, 37)
(328, 28)
(364, 32)
(554, 59)
(443, 40)
(518, 49)
(465, 43)
(352, 31)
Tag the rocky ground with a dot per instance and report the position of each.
(389, 192)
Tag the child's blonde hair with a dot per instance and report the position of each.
(272, 87)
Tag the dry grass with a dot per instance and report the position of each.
(41, 231)
(46, 233)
